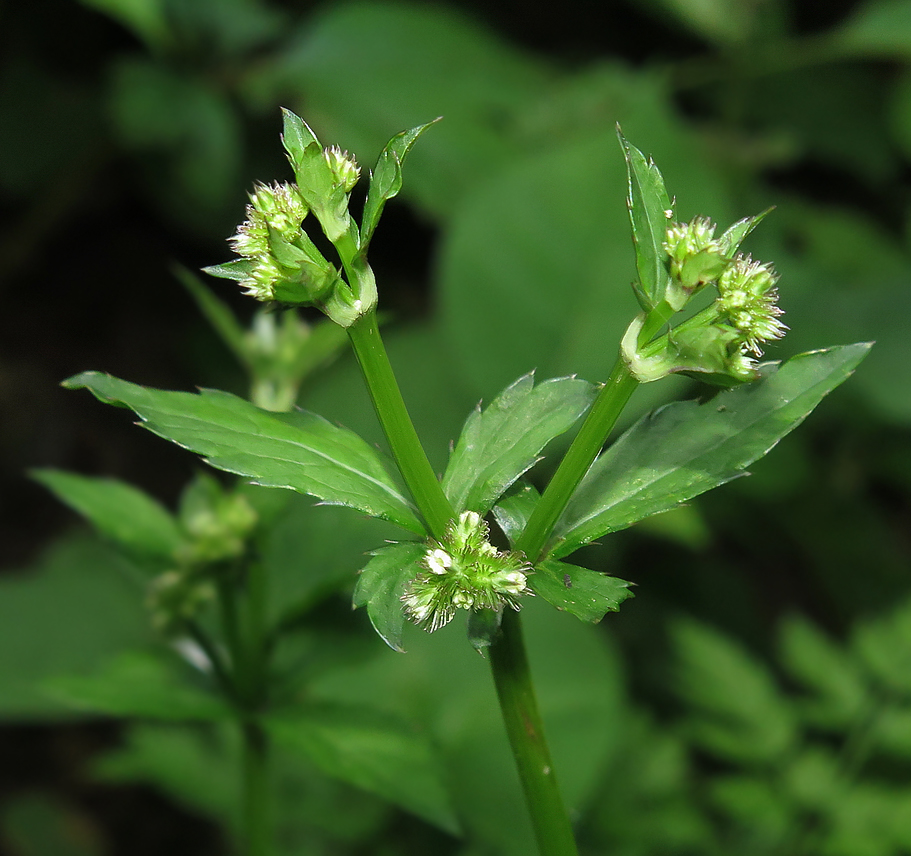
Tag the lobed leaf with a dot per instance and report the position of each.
(589, 595)
(386, 180)
(501, 443)
(127, 516)
(688, 447)
(381, 585)
(650, 210)
(298, 450)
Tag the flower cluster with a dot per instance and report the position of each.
(465, 571)
(748, 298)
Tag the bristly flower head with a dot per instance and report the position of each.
(278, 207)
(696, 255)
(344, 167)
(465, 571)
(748, 297)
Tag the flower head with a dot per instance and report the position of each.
(465, 571)
(344, 167)
(748, 297)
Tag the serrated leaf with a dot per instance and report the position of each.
(650, 211)
(381, 585)
(687, 448)
(371, 750)
(514, 508)
(588, 595)
(386, 180)
(127, 516)
(299, 450)
(138, 684)
(502, 442)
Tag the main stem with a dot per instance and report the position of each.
(512, 677)
(508, 659)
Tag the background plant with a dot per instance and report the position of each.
(848, 255)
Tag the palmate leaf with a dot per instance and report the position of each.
(502, 442)
(299, 450)
(650, 210)
(687, 448)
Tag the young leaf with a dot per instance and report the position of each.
(734, 235)
(299, 450)
(386, 180)
(514, 508)
(650, 211)
(588, 595)
(129, 517)
(381, 585)
(371, 750)
(687, 448)
(296, 136)
(499, 444)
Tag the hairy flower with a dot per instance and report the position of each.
(344, 167)
(748, 297)
(278, 207)
(464, 571)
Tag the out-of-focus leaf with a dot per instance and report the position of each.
(879, 28)
(588, 595)
(67, 615)
(130, 518)
(373, 751)
(36, 825)
(840, 691)
(687, 448)
(739, 714)
(721, 22)
(147, 19)
(381, 585)
(500, 443)
(884, 645)
(138, 684)
(298, 450)
(650, 212)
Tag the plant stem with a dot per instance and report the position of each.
(397, 425)
(509, 665)
(255, 790)
(579, 457)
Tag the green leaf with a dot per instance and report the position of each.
(650, 211)
(372, 750)
(588, 595)
(381, 585)
(740, 714)
(129, 517)
(386, 180)
(877, 28)
(688, 447)
(884, 646)
(298, 450)
(139, 684)
(238, 270)
(734, 235)
(501, 443)
(147, 19)
(296, 136)
(514, 509)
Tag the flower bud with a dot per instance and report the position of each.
(344, 167)
(696, 258)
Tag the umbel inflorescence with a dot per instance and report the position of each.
(465, 571)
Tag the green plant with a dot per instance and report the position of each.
(706, 311)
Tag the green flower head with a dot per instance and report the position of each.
(465, 571)
(748, 298)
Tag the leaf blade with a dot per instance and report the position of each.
(299, 450)
(589, 595)
(712, 443)
(497, 446)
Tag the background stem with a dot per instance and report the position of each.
(255, 783)
(511, 675)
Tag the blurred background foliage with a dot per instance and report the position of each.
(755, 696)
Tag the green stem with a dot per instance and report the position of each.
(509, 665)
(255, 790)
(584, 449)
(397, 425)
